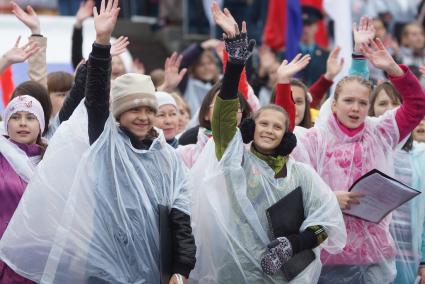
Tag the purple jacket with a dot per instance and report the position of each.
(12, 186)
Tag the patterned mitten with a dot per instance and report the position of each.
(280, 251)
(238, 48)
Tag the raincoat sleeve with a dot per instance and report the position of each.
(224, 123)
(97, 89)
(423, 246)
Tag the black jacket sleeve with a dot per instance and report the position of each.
(77, 46)
(75, 95)
(190, 136)
(184, 248)
(98, 84)
(229, 88)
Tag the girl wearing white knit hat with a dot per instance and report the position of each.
(104, 227)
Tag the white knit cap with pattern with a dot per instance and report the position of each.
(25, 103)
(164, 98)
(132, 90)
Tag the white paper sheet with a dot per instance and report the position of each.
(382, 194)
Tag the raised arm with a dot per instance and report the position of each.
(285, 72)
(99, 69)
(224, 120)
(37, 66)
(324, 83)
(412, 110)
(76, 94)
(83, 13)
(18, 54)
(172, 73)
(363, 33)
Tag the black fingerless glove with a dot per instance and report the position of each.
(239, 49)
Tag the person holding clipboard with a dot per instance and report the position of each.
(240, 189)
(345, 144)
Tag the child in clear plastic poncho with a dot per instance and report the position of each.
(407, 225)
(231, 196)
(344, 145)
(20, 152)
(105, 227)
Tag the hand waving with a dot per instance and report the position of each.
(172, 76)
(380, 58)
(363, 33)
(287, 70)
(333, 65)
(119, 46)
(105, 20)
(225, 20)
(29, 19)
(20, 54)
(85, 11)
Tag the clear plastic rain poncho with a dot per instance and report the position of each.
(229, 219)
(102, 225)
(407, 226)
(23, 165)
(340, 160)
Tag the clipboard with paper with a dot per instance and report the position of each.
(382, 195)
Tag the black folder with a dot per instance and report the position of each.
(165, 245)
(285, 218)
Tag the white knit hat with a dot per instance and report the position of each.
(132, 90)
(164, 98)
(25, 103)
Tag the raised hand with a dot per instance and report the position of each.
(29, 19)
(20, 54)
(105, 20)
(380, 58)
(225, 20)
(172, 76)
(333, 65)
(119, 46)
(364, 33)
(287, 70)
(84, 12)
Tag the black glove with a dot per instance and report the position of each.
(279, 252)
(238, 48)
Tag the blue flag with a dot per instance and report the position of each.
(294, 28)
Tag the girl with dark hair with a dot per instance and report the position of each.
(235, 243)
(20, 151)
(37, 91)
